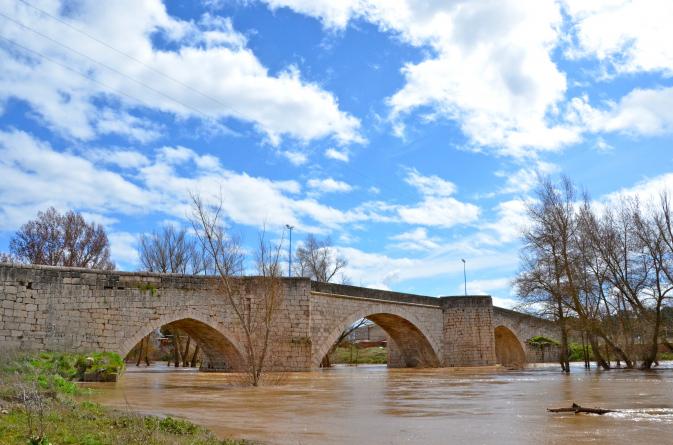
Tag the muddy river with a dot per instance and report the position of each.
(375, 405)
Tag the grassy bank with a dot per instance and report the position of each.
(354, 356)
(38, 406)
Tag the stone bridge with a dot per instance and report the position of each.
(70, 309)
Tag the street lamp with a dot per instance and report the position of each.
(464, 276)
(289, 253)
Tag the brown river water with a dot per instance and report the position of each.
(375, 405)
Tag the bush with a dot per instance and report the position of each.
(541, 341)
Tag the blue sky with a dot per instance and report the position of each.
(410, 132)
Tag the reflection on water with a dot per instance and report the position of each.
(372, 404)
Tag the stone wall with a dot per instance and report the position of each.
(413, 322)
(70, 309)
(468, 331)
(46, 308)
(524, 327)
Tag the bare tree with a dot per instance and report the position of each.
(318, 260)
(8, 258)
(62, 240)
(255, 314)
(172, 250)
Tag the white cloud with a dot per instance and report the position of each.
(640, 112)
(209, 56)
(511, 219)
(123, 249)
(415, 240)
(295, 157)
(525, 178)
(489, 66)
(35, 177)
(437, 207)
(429, 185)
(338, 155)
(329, 185)
(646, 191)
(629, 36)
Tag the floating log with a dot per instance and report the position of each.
(575, 408)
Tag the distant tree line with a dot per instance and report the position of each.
(603, 271)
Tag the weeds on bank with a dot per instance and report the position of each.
(37, 408)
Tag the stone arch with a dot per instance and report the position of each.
(217, 343)
(418, 350)
(508, 348)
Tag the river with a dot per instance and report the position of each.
(375, 405)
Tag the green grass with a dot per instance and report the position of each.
(37, 393)
(374, 355)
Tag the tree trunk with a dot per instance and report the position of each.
(147, 350)
(600, 361)
(176, 349)
(575, 408)
(195, 356)
(563, 353)
(140, 351)
(185, 353)
(651, 356)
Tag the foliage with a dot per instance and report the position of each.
(37, 390)
(577, 352)
(351, 355)
(541, 341)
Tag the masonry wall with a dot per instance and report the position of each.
(70, 309)
(468, 331)
(413, 322)
(524, 327)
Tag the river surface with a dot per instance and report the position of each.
(375, 405)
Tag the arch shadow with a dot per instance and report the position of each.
(508, 348)
(222, 351)
(416, 349)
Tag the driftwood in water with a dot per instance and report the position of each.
(580, 409)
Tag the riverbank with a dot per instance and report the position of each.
(39, 405)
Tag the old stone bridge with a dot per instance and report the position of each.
(69, 309)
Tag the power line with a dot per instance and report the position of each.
(56, 62)
(69, 48)
(154, 70)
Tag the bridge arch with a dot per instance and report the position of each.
(218, 344)
(417, 348)
(508, 348)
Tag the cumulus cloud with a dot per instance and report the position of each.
(628, 36)
(640, 112)
(415, 240)
(328, 185)
(489, 66)
(42, 56)
(337, 155)
(437, 207)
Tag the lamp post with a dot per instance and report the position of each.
(289, 253)
(464, 275)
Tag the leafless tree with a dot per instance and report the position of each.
(255, 314)
(62, 240)
(318, 260)
(8, 258)
(172, 250)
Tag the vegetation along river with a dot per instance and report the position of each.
(373, 404)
